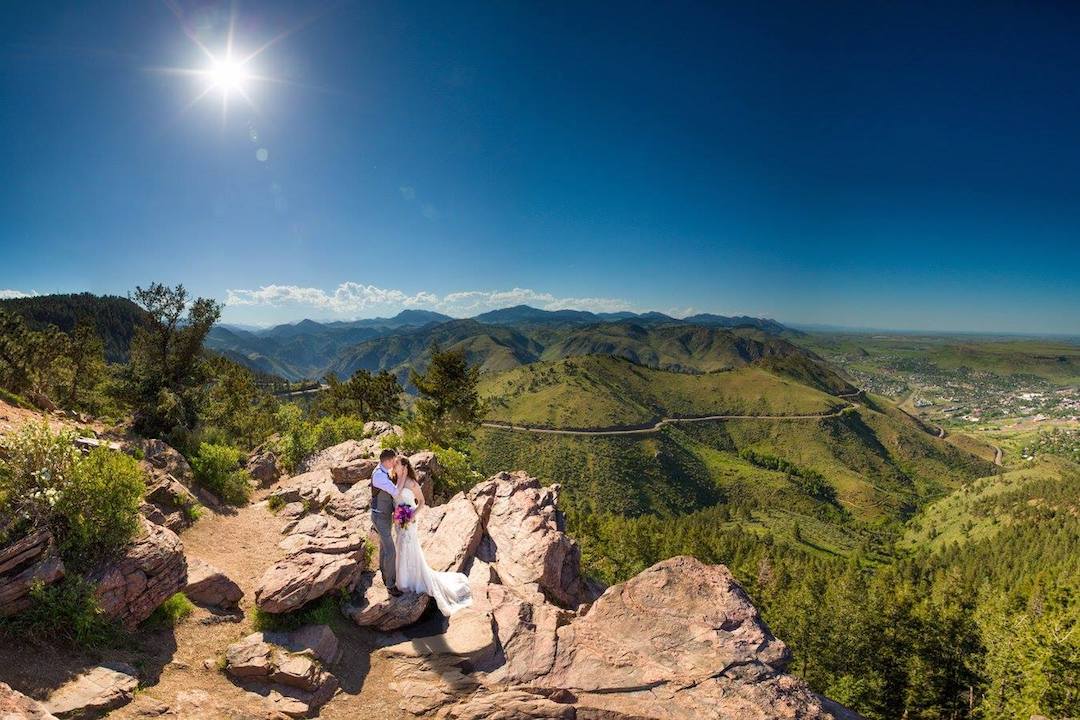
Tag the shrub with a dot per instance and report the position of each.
(458, 472)
(90, 502)
(66, 612)
(299, 438)
(217, 468)
(171, 612)
(274, 503)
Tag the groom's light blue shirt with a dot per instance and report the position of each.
(380, 480)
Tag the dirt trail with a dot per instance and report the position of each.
(243, 544)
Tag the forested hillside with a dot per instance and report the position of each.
(114, 318)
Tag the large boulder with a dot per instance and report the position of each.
(94, 691)
(341, 454)
(162, 466)
(151, 569)
(160, 456)
(379, 429)
(354, 471)
(680, 641)
(168, 502)
(28, 560)
(263, 465)
(306, 575)
(209, 586)
(527, 542)
(371, 605)
(16, 706)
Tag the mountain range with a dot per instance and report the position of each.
(503, 339)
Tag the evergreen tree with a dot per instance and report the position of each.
(167, 374)
(87, 356)
(449, 408)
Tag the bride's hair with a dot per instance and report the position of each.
(409, 472)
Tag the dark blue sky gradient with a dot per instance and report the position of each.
(907, 165)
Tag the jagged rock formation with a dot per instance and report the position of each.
(680, 641)
(287, 667)
(151, 570)
(94, 692)
(323, 555)
(263, 465)
(30, 559)
(170, 488)
(16, 706)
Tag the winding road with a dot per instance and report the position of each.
(658, 425)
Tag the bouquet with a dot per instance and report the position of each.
(403, 515)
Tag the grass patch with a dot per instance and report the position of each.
(275, 503)
(324, 611)
(171, 612)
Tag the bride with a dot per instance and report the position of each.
(450, 589)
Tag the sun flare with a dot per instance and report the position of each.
(228, 75)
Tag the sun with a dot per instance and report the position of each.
(228, 75)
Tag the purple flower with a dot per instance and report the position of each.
(403, 514)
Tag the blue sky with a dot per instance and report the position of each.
(906, 165)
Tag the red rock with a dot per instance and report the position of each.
(28, 560)
(209, 586)
(16, 706)
(151, 570)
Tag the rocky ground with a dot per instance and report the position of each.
(681, 640)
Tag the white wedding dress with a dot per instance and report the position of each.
(450, 589)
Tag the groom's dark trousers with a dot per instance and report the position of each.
(382, 515)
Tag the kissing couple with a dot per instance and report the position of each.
(396, 498)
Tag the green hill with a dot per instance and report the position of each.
(114, 317)
(837, 477)
(673, 347)
(1047, 487)
(603, 392)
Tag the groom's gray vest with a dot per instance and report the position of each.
(381, 501)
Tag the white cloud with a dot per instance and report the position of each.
(10, 294)
(408, 192)
(350, 298)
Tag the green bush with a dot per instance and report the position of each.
(458, 472)
(217, 468)
(65, 612)
(171, 612)
(90, 502)
(300, 438)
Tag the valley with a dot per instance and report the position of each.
(820, 468)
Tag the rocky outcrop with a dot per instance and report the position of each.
(30, 559)
(94, 692)
(323, 555)
(206, 585)
(171, 493)
(288, 668)
(680, 641)
(527, 543)
(151, 569)
(16, 706)
(263, 465)
(168, 502)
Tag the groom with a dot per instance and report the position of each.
(383, 488)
